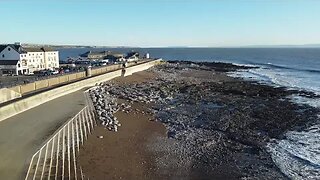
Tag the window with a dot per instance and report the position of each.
(3, 55)
(9, 49)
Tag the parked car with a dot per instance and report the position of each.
(43, 73)
(54, 72)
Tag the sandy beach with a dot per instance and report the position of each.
(123, 154)
(191, 121)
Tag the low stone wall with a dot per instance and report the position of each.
(105, 69)
(46, 83)
(42, 84)
(140, 67)
(33, 101)
(24, 89)
(8, 94)
(17, 89)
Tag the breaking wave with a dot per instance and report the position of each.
(298, 154)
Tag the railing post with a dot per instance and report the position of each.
(77, 133)
(74, 152)
(84, 125)
(58, 152)
(35, 172)
(81, 133)
(44, 161)
(51, 157)
(68, 150)
(63, 152)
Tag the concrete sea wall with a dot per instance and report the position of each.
(33, 101)
(8, 94)
(132, 69)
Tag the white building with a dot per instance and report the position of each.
(30, 59)
(11, 67)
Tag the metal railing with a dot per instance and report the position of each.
(57, 158)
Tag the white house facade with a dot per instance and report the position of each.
(30, 59)
(11, 67)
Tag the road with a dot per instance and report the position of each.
(22, 135)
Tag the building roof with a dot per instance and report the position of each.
(8, 62)
(115, 53)
(13, 46)
(132, 54)
(2, 47)
(20, 49)
(37, 49)
(86, 54)
(103, 53)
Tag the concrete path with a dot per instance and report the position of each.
(22, 135)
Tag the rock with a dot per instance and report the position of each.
(218, 122)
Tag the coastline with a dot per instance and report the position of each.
(218, 126)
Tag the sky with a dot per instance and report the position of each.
(161, 23)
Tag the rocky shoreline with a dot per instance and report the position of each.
(217, 126)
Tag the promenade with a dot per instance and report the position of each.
(22, 135)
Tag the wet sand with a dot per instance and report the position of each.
(123, 154)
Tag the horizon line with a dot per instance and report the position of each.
(176, 46)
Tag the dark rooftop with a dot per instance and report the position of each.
(2, 47)
(22, 49)
(8, 62)
(37, 49)
(101, 53)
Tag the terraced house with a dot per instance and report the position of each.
(16, 59)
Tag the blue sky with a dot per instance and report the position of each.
(154, 23)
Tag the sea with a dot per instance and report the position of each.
(298, 154)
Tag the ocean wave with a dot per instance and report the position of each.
(245, 65)
(314, 102)
(281, 77)
(298, 155)
(278, 66)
